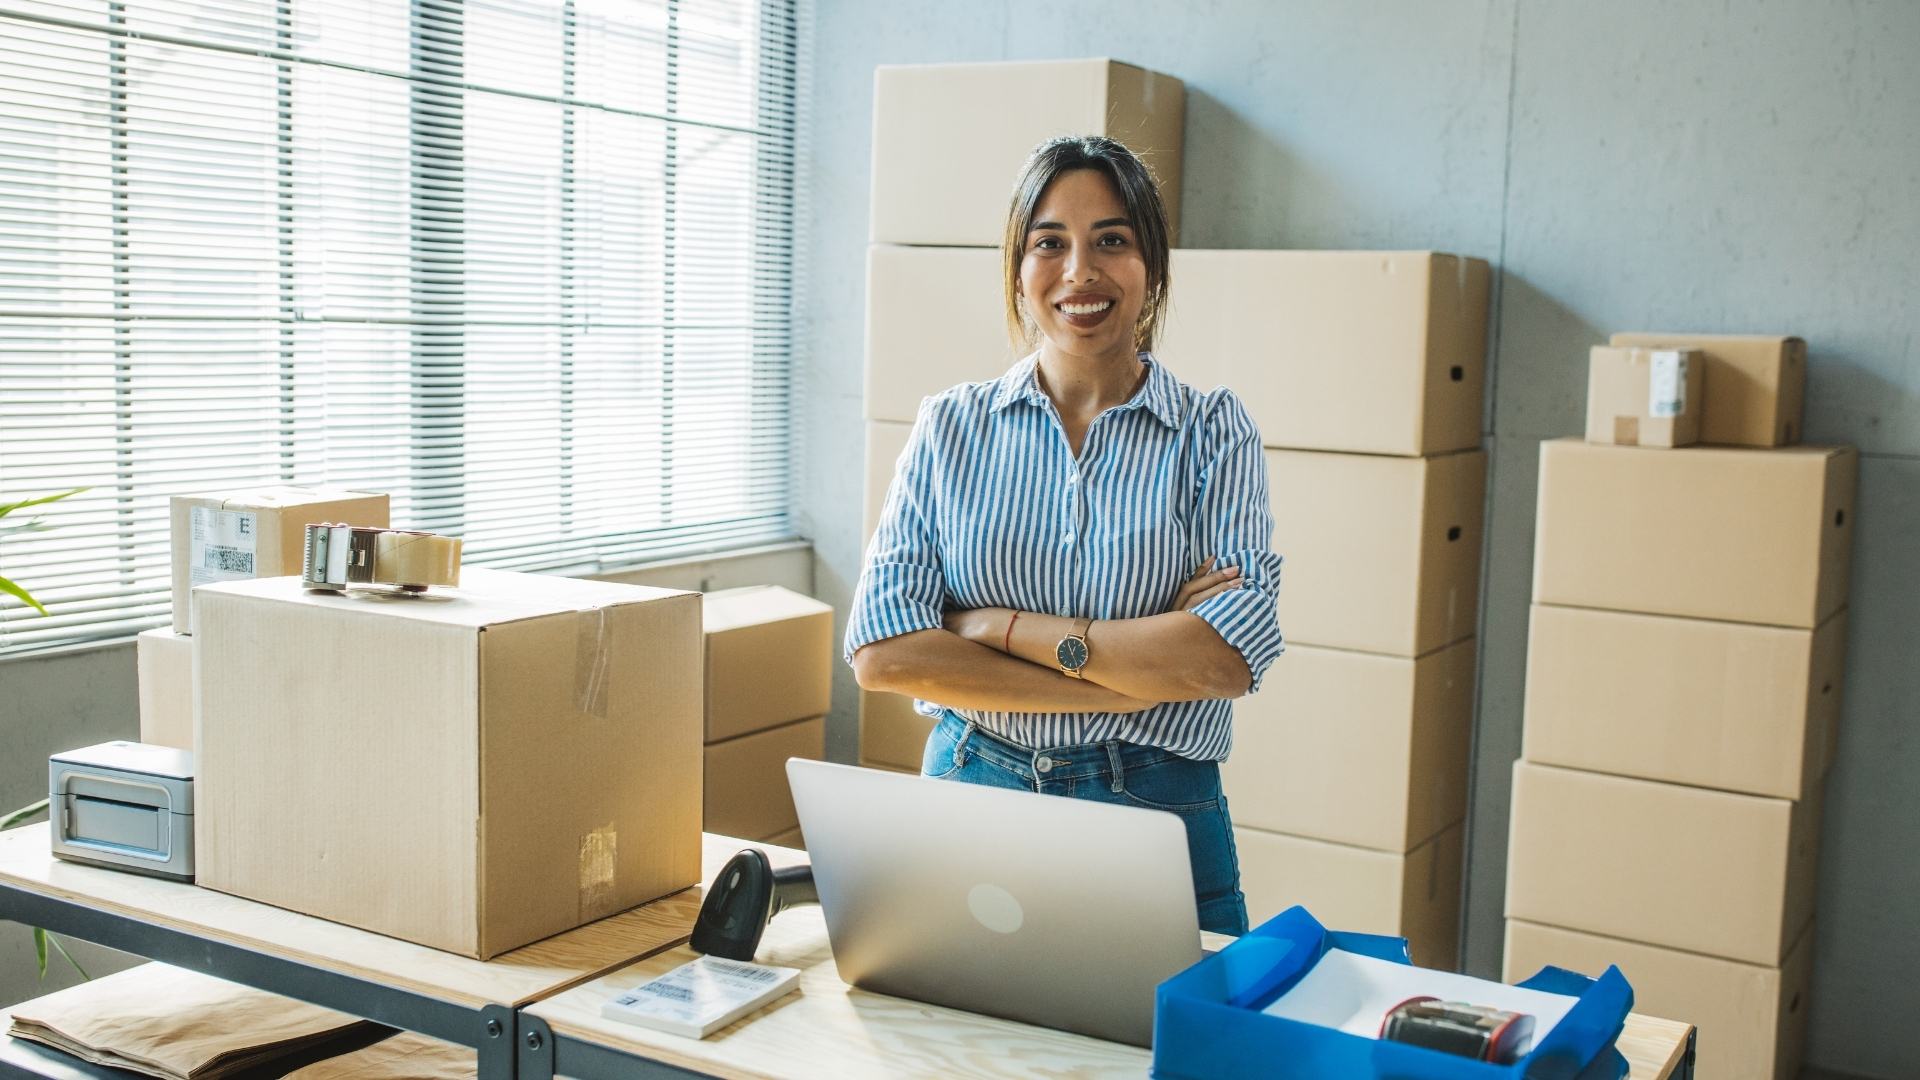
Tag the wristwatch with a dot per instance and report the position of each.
(1072, 652)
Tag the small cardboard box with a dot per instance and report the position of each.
(792, 838)
(1372, 352)
(885, 442)
(164, 661)
(1755, 386)
(1644, 397)
(1758, 536)
(255, 532)
(770, 655)
(1354, 747)
(1688, 868)
(747, 794)
(1382, 553)
(905, 363)
(949, 139)
(892, 734)
(1415, 896)
(471, 769)
(1722, 705)
(1752, 1018)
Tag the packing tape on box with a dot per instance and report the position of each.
(417, 558)
(591, 648)
(599, 856)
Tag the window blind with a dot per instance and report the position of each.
(526, 265)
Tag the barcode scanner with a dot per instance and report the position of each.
(747, 893)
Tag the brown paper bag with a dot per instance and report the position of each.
(406, 1056)
(181, 1025)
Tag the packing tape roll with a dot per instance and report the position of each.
(401, 558)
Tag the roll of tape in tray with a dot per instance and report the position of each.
(338, 556)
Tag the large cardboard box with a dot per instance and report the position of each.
(1755, 387)
(1710, 872)
(1752, 1018)
(746, 790)
(892, 734)
(770, 656)
(792, 838)
(1691, 701)
(1758, 536)
(1354, 747)
(1375, 352)
(471, 769)
(905, 362)
(1644, 397)
(1415, 896)
(885, 441)
(949, 139)
(163, 661)
(255, 532)
(1382, 553)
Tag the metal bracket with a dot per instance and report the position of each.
(533, 1048)
(495, 1043)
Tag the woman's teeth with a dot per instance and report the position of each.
(1086, 309)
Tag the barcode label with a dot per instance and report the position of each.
(224, 545)
(743, 971)
(228, 560)
(666, 990)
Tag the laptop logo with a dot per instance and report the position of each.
(995, 908)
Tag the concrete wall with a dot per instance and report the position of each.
(1629, 165)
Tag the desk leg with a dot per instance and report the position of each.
(533, 1049)
(496, 1043)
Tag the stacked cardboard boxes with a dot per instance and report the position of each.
(769, 653)
(948, 143)
(1683, 688)
(1348, 777)
(229, 536)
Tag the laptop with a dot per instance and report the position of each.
(1039, 908)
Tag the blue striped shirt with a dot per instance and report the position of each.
(989, 508)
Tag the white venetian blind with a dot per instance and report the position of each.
(523, 264)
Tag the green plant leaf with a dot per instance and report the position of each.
(40, 949)
(11, 589)
(69, 958)
(22, 814)
(8, 508)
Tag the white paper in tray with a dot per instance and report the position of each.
(1353, 993)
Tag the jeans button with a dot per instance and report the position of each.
(1044, 764)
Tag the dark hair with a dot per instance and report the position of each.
(1138, 192)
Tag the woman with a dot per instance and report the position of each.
(1033, 571)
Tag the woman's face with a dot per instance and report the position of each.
(1082, 276)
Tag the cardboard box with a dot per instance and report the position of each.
(1354, 747)
(1755, 387)
(1722, 705)
(471, 769)
(1415, 896)
(1374, 352)
(255, 532)
(1752, 1019)
(1382, 554)
(949, 140)
(164, 661)
(746, 790)
(1706, 871)
(792, 838)
(1644, 397)
(1758, 536)
(905, 363)
(770, 656)
(892, 734)
(885, 441)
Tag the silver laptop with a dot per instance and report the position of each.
(1049, 910)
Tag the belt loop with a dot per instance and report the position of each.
(1113, 765)
(960, 745)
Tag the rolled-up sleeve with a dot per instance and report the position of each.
(1234, 522)
(902, 588)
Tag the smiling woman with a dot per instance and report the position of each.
(1033, 579)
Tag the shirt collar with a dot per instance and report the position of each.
(1159, 396)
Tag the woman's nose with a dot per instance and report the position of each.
(1079, 265)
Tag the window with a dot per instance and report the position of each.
(523, 264)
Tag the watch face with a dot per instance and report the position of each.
(1072, 653)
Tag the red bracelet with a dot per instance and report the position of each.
(1007, 645)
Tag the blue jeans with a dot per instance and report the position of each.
(1111, 772)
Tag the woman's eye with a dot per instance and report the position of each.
(1046, 242)
(1113, 240)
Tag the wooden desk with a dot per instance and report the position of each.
(828, 1028)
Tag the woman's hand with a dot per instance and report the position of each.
(982, 626)
(1205, 584)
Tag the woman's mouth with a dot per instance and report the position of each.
(1084, 314)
